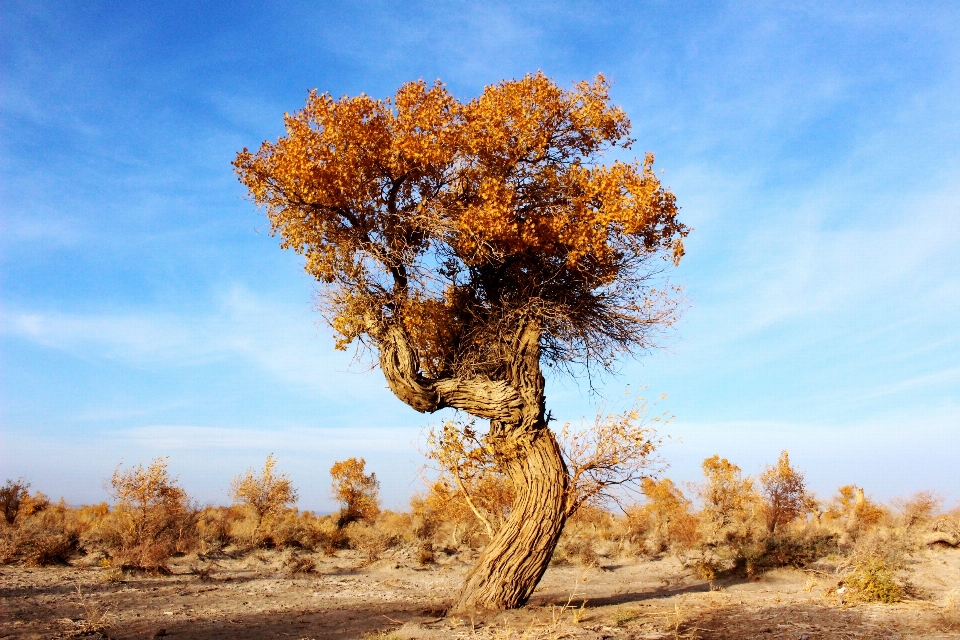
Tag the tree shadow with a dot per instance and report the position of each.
(796, 620)
(334, 623)
(627, 597)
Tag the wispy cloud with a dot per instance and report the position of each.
(280, 339)
(301, 439)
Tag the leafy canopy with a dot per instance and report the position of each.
(461, 220)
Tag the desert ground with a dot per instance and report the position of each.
(261, 595)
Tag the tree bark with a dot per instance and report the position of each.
(514, 561)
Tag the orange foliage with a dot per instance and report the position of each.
(267, 494)
(729, 499)
(430, 210)
(786, 494)
(668, 511)
(357, 491)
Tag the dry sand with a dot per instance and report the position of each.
(255, 596)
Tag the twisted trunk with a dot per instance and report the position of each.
(514, 561)
(517, 556)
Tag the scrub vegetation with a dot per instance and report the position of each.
(728, 529)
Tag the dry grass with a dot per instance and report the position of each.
(859, 548)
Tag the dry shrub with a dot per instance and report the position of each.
(203, 572)
(370, 540)
(949, 612)
(664, 521)
(443, 518)
(796, 546)
(357, 491)
(214, 526)
(425, 554)
(575, 550)
(49, 535)
(152, 519)
(9, 545)
(870, 572)
(946, 528)
(590, 534)
(268, 494)
(51, 549)
(919, 509)
(396, 525)
(299, 564)
(12, 495)
(471, 484)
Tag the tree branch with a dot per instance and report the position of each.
(488, 399)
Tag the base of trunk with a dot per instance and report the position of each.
(515, 560)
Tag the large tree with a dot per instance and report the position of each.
(468, 244)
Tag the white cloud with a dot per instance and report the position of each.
(282, 340)
(300, 439)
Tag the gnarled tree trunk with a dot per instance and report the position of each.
(516, 558)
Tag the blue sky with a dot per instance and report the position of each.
(815, 148)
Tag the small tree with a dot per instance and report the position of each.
(615, 453)
(153, 513)
(667, 510)
(852, 504)
(468, 465)
(12, 495)
(786, 494)
(357, 492)
(618, 452)
(728, 498)
(267, 494)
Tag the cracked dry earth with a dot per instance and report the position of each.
(255, 597)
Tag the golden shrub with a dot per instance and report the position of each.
(357, 491)
(268, 493)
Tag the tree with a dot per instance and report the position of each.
(12, 495)
(785, 491)
(728, 500)
(268, 494)
(468, 244)
(152, 512)
(669, 511)
(357, 491)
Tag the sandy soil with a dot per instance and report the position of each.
(256, 596)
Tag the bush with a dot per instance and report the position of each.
(51, 549)
(214, 526)
(12, 495)
(357, 492)
(873, 580)
(297, 564)
(919, 509)
(152, 519)
(854, 510)
(267, 495)
(665, 520)
(47, 536)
